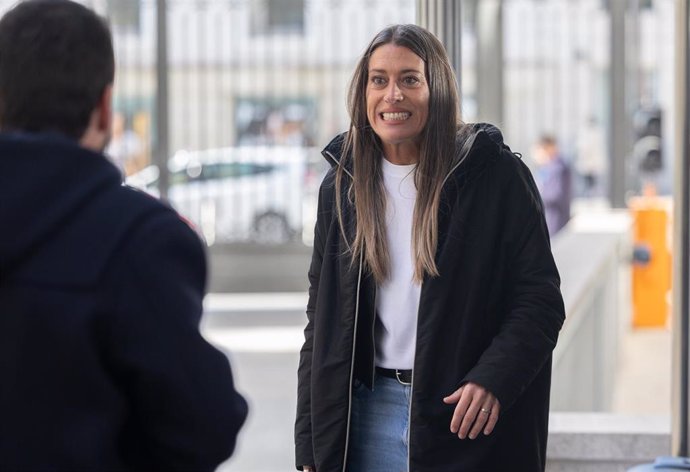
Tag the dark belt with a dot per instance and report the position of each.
(402, 376)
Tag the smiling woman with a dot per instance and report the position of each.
(397, 102)
(434, 300)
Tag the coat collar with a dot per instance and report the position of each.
(487, 143)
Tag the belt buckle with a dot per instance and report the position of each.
(400, 381)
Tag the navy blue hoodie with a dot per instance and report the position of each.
(102, 366)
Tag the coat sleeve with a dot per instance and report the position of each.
(304, 450)
(184, 411)
(534, 305)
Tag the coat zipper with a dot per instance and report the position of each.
(337, 162)
(409, 423)
(409, 408)
(373, 341)
(352, 363)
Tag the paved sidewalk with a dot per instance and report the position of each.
(643, 380)
(262, 334)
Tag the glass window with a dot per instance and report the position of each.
(124, 15)
(277, 16)
(275, 122)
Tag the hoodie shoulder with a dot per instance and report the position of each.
(80, 252)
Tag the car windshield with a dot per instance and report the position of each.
(218, 170)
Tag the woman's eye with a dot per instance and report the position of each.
(411, 80)
(378, 80)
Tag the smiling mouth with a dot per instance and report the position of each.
(398, 116)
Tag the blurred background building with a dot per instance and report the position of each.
(222, 107)
(268, 75)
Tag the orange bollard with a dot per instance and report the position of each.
(651, 275)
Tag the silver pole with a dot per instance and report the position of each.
(680, 440)
(442, 17)
(681, 272)
(618, 86)
(161, 150)
(490, 61)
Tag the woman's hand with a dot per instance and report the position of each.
(477, 409)
(308, 468)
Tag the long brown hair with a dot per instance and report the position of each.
(437, 155)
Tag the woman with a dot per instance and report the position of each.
(434, 301)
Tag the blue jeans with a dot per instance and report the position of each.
(379, 427)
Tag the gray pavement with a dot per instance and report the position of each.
(262, 334)
(263, 346)
(643, 379)
(270, 383)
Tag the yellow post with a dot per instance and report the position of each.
(652, 266)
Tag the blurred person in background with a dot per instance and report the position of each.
(102, 365)
(434, 301)
(125, 148)
(554, 181)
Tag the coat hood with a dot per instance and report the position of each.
(45, 179)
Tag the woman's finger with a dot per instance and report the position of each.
(482, 419)
(471, 415)
(493, 418)
(459, 412)
(453, 397)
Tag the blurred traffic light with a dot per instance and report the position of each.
(647, 151)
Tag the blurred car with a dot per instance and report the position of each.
(252, 193)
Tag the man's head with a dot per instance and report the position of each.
(546, 149)
(56, 71)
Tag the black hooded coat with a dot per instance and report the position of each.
(492, 317)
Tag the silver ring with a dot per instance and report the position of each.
(485, 410)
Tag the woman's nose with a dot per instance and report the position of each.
(393, 94)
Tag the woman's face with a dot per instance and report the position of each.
(397, 95)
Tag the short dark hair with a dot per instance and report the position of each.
(56, 60)
(548, 140)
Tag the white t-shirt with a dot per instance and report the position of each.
(397, 300)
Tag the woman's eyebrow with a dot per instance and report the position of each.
(405, 71)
